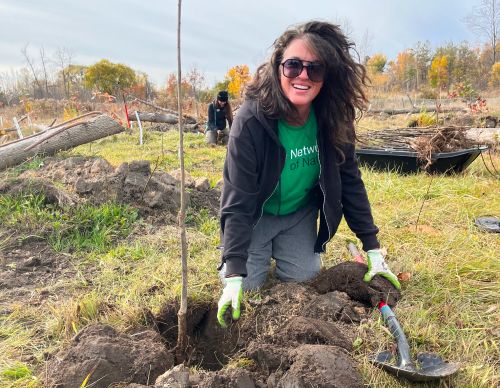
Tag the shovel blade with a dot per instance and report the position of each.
(431, 367)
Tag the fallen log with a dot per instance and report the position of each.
(16, 152)
(188, 119)
(484, 135)
(154, 106)
(413, 110)
(159, 118)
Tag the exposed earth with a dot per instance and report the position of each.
(291, 335)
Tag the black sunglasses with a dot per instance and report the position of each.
(293, 67)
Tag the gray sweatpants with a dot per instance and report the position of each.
(290, 241)
(218, 136)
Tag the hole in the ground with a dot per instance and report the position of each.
(210, 346)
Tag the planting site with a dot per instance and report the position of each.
(287, 327)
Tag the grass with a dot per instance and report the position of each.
(81, 228)
(450, 304)
(126, 267)
(19, 373)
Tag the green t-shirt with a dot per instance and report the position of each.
(301, 170)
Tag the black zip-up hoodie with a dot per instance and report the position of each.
(253, 165)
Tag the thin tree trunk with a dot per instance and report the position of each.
(45, 77)
(182, 329)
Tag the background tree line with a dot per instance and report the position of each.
(455, 69)
(460, 70)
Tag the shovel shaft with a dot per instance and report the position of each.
(404, 359)
(356, 255)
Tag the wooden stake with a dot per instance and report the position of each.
(18, 129)
(140, 127)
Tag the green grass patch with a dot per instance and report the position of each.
(84, 227)
(16, 372)
(91, 227)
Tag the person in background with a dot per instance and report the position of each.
(290, 161)
(219, 111)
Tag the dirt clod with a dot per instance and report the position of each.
(321, 366)
(311, 331)
(348, 277)
(109, 357)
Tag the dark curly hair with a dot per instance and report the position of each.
(342, 93)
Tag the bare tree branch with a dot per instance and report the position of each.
(43, 59)
(484, 21)
(30, 63)
(63, 58)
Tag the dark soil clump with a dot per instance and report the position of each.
(109, 357)
(348, 277)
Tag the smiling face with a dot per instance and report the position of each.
(301, 91)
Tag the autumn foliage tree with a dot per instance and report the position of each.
(404, 67)
(108, 77)
(171, 87)
(438, 72)
(495, 75)
(376, 63)
(74, 76)
(375, 66)
(238, 77)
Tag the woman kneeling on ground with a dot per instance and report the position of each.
(290, 159)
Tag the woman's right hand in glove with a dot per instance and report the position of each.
(232, 295)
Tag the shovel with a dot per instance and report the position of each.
(428, 367)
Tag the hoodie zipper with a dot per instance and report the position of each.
(324, 199)
(272, 192)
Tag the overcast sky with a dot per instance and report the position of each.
(216, 35)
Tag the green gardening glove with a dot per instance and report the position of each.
(231, 296)
(378, 266)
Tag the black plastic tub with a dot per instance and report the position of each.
(407, 162)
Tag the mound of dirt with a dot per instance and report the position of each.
(107, 357)
(348, 277)
(94, 180)
(295, 335)
(38, 186)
